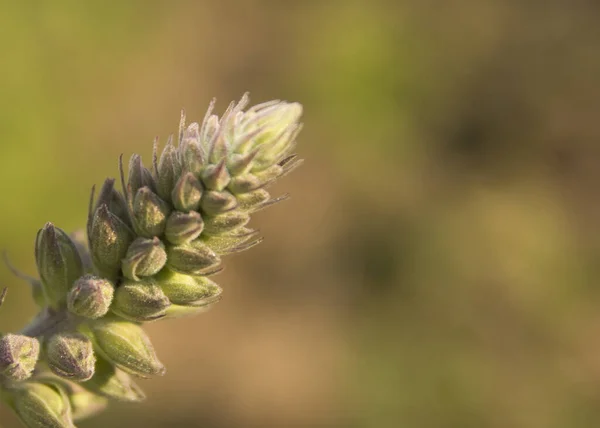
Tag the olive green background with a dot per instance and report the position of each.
(437, 265)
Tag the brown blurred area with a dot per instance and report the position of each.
(437, 265)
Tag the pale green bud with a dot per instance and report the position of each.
(216, 177)
(239, 240)
(71, 356)
(187, 193)
(114, 200)
(278, 123)
(18, 356)
(138, 175)
(149, 213)
(270, 174)
(140, 301)
(192, 154)
(239, 164)
(168, 171)
(183, 227)
(90, 297)
(215, 202)
(109, 240)
(126, 345)
(181, 311)
(249, 201)
(58, 262)
(83, 402)
(244, 183)
(194, 258)
(185, 289)
(225, 223)
(145, 257)
(113, 383)
(40, 405)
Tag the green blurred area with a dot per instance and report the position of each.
(437, 265)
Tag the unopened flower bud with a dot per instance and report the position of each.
(214, 202)
(109, 241)
(185, 289)
(58, 262)
(140, 301)
(167, 172)
(239, 164)
(181, 311)
(42, 405)
(18, 356)
(126, 345)
(149, 213)
(249, 201)
(235, 242)
(113, 383)
(83, 403)
(183, 227)
(114, 200)
(216, 177)
(145, 257)
(138, 175)
(71, 356)
(194, 258)
(269, 174)
(90, 297)
(192, 155)
(244, 183)
(187, 193)
(225, 223)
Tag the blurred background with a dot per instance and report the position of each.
(438, 263)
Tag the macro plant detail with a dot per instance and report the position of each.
(150, 254)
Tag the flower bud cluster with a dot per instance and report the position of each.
(149, 254)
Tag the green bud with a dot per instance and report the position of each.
(140, 301)
(90, 297)
(113, 383)
(270, 174)
(239, 164)
(126, 345)
(18, 356)
(167, 172)
(186, 289)
(214, 202)
(84, 403)
(149, 213)
(181, 311)
(41, 405)
(145, 257)
(138, 175)
(187, 193)
(192, 155)
(216, 177)
(279, 124)
(225, 223)
(114, 200)
(244, 183)
(195, 258)
(58, 262)
(240, 240)
(249, 201)
(183, 227)
(71, 356)
(109, 241)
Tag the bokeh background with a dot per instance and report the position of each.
(438, 264)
